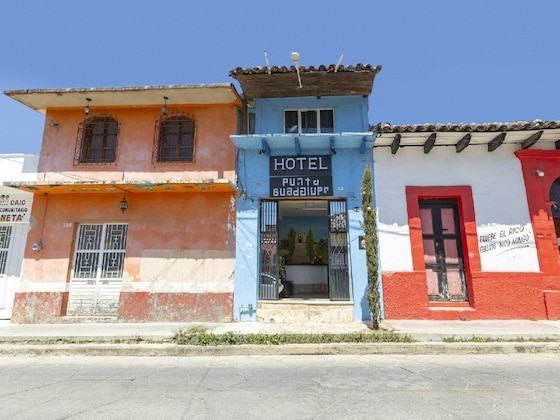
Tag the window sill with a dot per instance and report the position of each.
(450, 306)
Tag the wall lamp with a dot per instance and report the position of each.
(123, 204)
(164, 107)
(538, 173)
(53, 123)
(86, 109)
(37, 246)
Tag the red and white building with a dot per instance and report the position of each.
(469, 220)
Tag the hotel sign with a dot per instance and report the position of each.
(300, 176)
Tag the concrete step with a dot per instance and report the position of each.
(87, 319)
(302, 311)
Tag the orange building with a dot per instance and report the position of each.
(133, 213)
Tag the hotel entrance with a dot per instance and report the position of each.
(304, 250)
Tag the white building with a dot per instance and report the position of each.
(15, 210)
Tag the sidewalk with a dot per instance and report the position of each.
(431, 337)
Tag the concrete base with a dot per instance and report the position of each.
(303, 311)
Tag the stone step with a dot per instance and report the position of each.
(87, 319)
(303, 311)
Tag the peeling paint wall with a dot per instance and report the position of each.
(504, 277)
(348, 165)
(180, 250)
(15, 209)
(214, 154)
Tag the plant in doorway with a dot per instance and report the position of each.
(281, 270)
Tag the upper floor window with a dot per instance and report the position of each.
(175, 142)
(309, 121)
(97, 141)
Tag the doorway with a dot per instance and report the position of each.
(554, 199)
(443, 251)
(7, 283)
(304, 250)
(97, 271)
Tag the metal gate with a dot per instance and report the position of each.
(6, 284)
(98, 269)
(268, 281)
(339, 279)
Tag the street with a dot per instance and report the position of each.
(281, 387)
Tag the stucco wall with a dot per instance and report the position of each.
(214, 153)
(504, 277)
(500, 202)
(347, 167)
(15, 210)
(350, 112)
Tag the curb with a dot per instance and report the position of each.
(168, 349)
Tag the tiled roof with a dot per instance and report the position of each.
(523, 134)
(465, 128)
(292, 81)
(292, 69)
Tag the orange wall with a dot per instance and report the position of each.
(214, 152)
(165, 221)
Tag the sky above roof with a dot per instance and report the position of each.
(443, 61)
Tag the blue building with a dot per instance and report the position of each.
(299, 169)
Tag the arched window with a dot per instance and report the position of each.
(97, 140)
(175, 139)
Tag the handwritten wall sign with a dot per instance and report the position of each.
(505, 239)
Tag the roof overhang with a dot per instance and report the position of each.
(207, 94)
(304, 143)
(209, 185)
(524, 134)
(284, 82)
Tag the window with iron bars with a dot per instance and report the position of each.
(97, 141)
(175, 139)
(5, 236)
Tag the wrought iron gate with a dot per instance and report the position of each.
(98, 269)
(339, 281)
(268, 281)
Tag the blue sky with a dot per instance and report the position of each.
(443, 61)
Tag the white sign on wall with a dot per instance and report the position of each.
(14, 208)
(507, 248)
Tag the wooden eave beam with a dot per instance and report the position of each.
(396, 144)
(463, 143)
(429, 144)
(496, 142)
(531, 140)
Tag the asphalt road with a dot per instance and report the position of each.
(281, 387)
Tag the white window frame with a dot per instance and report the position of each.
(300, 110)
